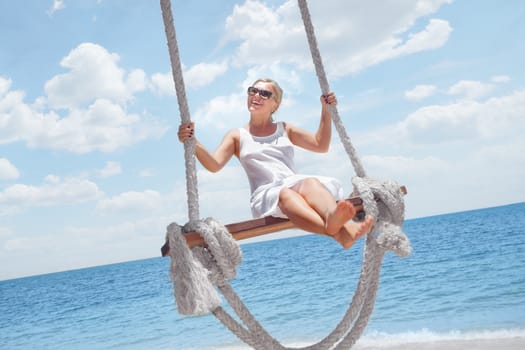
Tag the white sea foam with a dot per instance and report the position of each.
(409, 340)
(386, 340)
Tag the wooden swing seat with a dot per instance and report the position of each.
(261, 226)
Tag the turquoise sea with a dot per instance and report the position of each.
(464, 280)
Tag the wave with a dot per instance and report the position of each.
(387, 340)
(424, 339)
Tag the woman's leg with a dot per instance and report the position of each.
(295, 207)
(311, 207)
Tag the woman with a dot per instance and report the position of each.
(265, 149)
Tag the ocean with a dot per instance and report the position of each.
(463, 287)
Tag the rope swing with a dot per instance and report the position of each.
(204, 253)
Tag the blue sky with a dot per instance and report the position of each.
(432, 94)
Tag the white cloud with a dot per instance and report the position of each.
(440, 182)
(7, 170)
(435, 35)
(471, 89)
(146, 173)
(223, 112)
(352, 36)
(404, 167)
(199, 75)
(420, 92)
(111, 169)
(500, 79)
(416, 174)
(280, 31)
(5, 233)
(57, 5)
(508, 156)
(5, 84)
(453, 156)
(502, 117)
(388, 47)
(203, 74)
(94, 91)
(54, 191)
(135, 81)
(131, 201)
(497, 117)
(93, 74)
(162, 84)
(104, 126)
(224, 195)
(78, 247)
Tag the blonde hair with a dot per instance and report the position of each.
(277, 91)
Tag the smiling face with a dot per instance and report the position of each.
(259, 102)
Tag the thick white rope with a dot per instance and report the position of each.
(391, 236)
(189, 146)
(196, 273)
(325, 88)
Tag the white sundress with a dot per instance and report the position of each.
(269, 165)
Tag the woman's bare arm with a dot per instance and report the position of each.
(212, 161)
(320, 140)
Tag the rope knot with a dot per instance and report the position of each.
(196, 272)
(384, 201)
(222, 253)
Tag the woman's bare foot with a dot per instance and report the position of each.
(343, 212)
(363, 228)
(352, 231)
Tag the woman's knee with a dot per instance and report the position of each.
(309, 184)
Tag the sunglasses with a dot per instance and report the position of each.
(265, 94)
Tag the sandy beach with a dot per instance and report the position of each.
(517, 343)
(509, 341)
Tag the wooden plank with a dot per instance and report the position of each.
(258, 227)
(245, 229)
